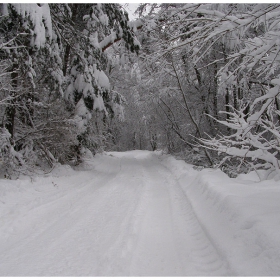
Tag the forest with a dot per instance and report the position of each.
(198, 81)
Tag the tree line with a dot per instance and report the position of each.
(196, 80)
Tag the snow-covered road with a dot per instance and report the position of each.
(126, 216)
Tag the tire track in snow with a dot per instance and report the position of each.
(51, 212)
(155, 253)
(101, 231)
(120, 253)
(72, 226)
(196, 247)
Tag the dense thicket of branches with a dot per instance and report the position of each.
(210, 81)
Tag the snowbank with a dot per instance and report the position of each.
(241, 216)
(136, 154)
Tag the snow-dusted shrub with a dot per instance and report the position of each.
(11, 161)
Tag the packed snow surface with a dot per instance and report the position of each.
(139, 213)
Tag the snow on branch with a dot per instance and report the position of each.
(39, 14)
(114, 38)
(248, 141)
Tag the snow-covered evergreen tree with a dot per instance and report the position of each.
(53, 76)
(89, 88)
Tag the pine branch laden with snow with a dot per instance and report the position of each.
(89, 88)
(36, 20)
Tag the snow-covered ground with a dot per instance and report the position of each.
(139, 213)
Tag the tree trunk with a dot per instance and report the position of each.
(278, 108)
(10, 112)
(215, 99)
(189, 112)
(134, 141)
(68, 47)
(235, 98)
(227, 106)
(153, 142)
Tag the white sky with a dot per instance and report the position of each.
(131, 7)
